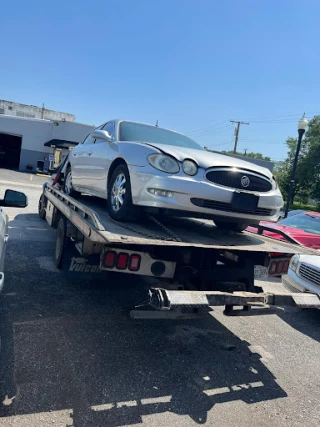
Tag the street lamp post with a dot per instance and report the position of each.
(302, 126)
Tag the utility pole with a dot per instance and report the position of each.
(237, 133)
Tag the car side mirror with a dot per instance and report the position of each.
(101, 134)
(14, 199)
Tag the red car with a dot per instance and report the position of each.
(303, 229)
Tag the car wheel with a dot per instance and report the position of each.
(119, 199)
(232, 225)
(41, 207)
(67, 185)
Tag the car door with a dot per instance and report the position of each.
(99, 162)
(3, 241)
(80, 163)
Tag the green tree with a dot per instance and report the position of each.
(252, 155)
(307, 179)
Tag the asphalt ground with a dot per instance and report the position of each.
(70, 354)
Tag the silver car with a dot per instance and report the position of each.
(13, 199)
(303, 274)
(135, 166)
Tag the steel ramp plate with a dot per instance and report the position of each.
(306, 300)
(188, 299)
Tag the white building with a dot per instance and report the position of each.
(10, 108)
(25, 141)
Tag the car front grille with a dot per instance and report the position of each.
(239, 179)
(311, 274)
(226, 207)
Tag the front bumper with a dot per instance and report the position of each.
(295, 283)
(184, 188)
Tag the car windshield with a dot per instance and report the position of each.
(130, 131)
(306, 222)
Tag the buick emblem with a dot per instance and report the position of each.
(245, 181)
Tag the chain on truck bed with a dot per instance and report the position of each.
(173, 237)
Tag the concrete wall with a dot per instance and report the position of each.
(35, 133)
(30, 111)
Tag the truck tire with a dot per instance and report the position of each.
(67, 185)
(119, 201)
(232, 225)
(62, 242)
(42, 207)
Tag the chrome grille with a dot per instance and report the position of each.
(232, 178)
(311, 274)
(221, 206)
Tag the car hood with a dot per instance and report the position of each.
(313, 260)
(206, 159)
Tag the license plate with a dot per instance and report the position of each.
(244, 201)
(260, 272)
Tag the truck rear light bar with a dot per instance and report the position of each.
(135, 262)
(109, 259)
(278, 266)
(122, 261)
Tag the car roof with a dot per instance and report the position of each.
(117, 121)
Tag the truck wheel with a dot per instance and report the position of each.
(232, 225)
(119, 201)
(67, 185)
(42, 207)
(61, 242)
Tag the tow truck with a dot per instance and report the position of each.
(195, 265)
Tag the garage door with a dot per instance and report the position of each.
(10, 150)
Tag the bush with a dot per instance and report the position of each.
(305, 207)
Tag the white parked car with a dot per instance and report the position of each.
(303, 274)
(136, 166)
(13, 199)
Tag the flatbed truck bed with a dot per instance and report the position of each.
(202, 265)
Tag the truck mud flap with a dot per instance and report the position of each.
(79, 267)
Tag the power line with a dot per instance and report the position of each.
(215, 132)
(237, 133)
(213, 125)
(208, 131)
(282, 119)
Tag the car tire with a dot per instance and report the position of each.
(67, 185)
(119, 200)
(232, 225)
(42, 207)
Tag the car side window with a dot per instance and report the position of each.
(88, 140)
(109, 128)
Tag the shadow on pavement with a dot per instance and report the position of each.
(306, 321)
(73, 346)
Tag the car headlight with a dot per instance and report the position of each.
(189, 167)
(294, 262)
(163, 163)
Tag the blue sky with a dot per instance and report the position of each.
(191, 64)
